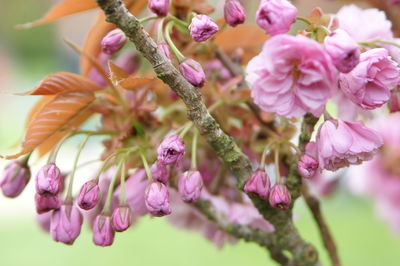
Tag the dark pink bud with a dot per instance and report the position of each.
(15, 177)
(46, 202)
(280, 197)
(113, 41)
(165, 50)
(307, 166)
(343, 50)
(157, 199)
(202, 28)
(394, 104)
(189, 186)
(258, 184)
(160, 172)
(49, 180)
(171, 150)
(193, 72)
(121, 219)
(66, 224)
(234, 13)
(103, 233)
(159, 7)
(89, 195)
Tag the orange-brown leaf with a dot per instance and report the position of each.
(53, 116)
(63, 82)
(63, 9)
(116, 73)
(134, 82)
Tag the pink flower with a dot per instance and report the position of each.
(202, 28)
(193, 72)
(276, 16)
(165, 50)
(89, 195)
(46, 203)
(307, 166)
(49, 180)
(171, 150)
(103, 233)
(342, 143)
(370, 82)
(343, 50)
(291, 83)
(258, 184)
(190, 184)
(234, 13)
(160, 172)
(280, 197)
(113, 41)
(66, 224)
(159, 7)
(157, 199)
(15, 178)
(394, 103)
(121, 218)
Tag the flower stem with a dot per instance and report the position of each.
(194, 149)
(167, 36)
(178, 21)
(264, 154)
(304, 20)
(186, 129)
(277, 170)
(122, 199)
(107, 205)
(146, 165)
(143, 20)
(160, 36)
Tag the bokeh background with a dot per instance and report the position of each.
(26, 56)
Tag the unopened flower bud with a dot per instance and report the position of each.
(157, 199)
(66, 224)
(258, 184)
(234, 13)
(113, 41)
(160, 172)
(15, 177)
(394, 104)
(46, 202)
(159, 7)
(190, 184)
(103, 233)
(307, 166)
(202, 28)
(280, 197)
(165, 50)
(171, 150)
(193, 72)
(343, 50)
(276, 16)
(121, 218)
(89, 195)
(49, 180)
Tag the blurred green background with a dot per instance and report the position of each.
(25, 58)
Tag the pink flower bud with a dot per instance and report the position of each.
(193, 72)
(157, 199)
(394, 104)
(66, 224)
(189, 186)
(121, 219)
(276, 16)
(171, 150)
(307, 166)
(165, 50)
(113, 41)
(234, 13)
(103, 233)
(159, 7)
(343, 50)
(46, 202)
(49, 180)
(160, 172)
(280, 197)
(15, 177)
(202, 28)
(258, 184)
(89, 195)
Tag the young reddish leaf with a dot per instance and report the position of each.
(63, 82)
(63, 9)
(134, 82)
(116, 73)
(53, 116)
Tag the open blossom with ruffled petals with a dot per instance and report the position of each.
(15, 178)
(103, 233)
(47, 202)
(190, 184)
(49, 180)
(113, 41)
(171, 150)
(370, 83)
(160, 172)
(202, 28)
(291, 83)
(89, 195)
(258, 184)
(66, 224)
(193, 72)
(276, 16)
(343, 50)
(159, 7)
(157, 199)
(342, 143)
(234, 13)
(280, 197)
(121, 218)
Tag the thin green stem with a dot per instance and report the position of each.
(264, 154)
(304, 20)
(277, 170)
(215, 105)
(146, 165)
(167, 36)
(387, 42)
(186, 129)
(107, 205)
(122, 199)
(178, 21)
(194, 149)
(160, 36)
(143, 20)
